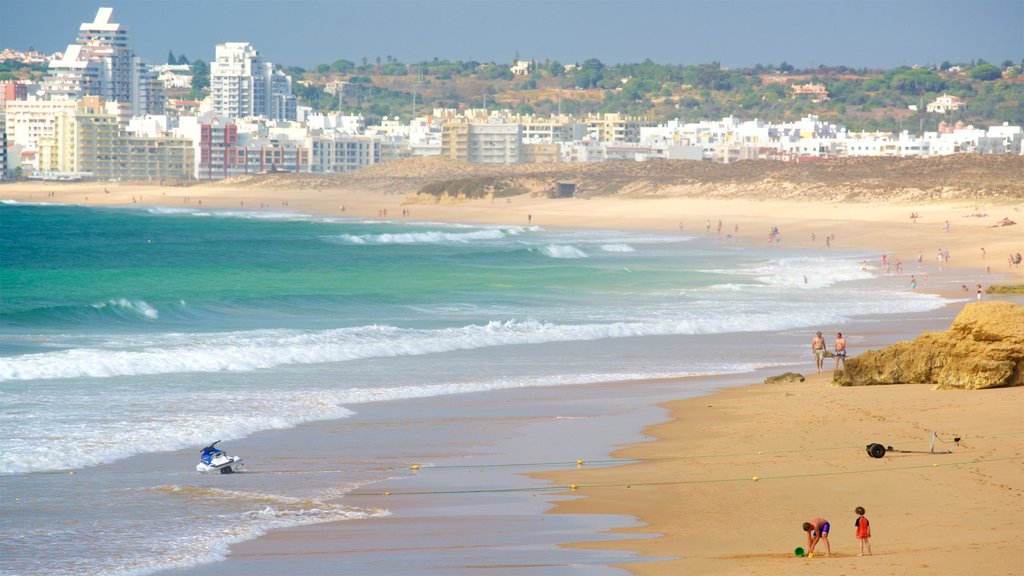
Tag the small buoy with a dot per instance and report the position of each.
(756, 478)
(573, 487)
(935, 465)
(415, 467)
(387, 493)
(760, 452)
(579, 462)
(71, 471)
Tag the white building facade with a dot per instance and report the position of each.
(243, 85)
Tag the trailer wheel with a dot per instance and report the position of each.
(876, 450)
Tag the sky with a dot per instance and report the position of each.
(735, 33)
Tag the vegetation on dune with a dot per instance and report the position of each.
(1016, 289)
(480, 187)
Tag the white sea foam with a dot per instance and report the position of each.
(134, 307)
(262, 349)
(618, 248)
(209, 538)
(559, 251)
(801, 272)
(124, 431)
(431, 237)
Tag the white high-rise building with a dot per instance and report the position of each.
(101, 63)
(243, 85)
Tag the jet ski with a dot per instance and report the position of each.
(217, 461)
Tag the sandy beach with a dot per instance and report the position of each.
(724, 484)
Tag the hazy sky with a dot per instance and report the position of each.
(736, 33)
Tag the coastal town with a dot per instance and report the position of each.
(101, 113)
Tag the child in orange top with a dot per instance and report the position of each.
(863, 531)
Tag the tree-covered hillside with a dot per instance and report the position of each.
(862, 99)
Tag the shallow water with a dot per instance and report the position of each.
(130, 338)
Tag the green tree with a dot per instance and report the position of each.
(200, 76)
(170, 58)
(343, 66)
(986, 72)
(917, 81)
(182, 60)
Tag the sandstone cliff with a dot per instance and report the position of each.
(984, 348)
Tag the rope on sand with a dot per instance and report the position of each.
(574, 487)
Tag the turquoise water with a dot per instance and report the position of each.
(125, 332)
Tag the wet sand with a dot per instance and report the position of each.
(805, 442)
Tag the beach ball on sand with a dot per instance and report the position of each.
(799, 551)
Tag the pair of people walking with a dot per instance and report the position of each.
(819, 349)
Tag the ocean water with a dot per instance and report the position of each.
(129, 336)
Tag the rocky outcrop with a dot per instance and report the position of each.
(984, 348)
(784, 378)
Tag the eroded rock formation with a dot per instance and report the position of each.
(984, 348)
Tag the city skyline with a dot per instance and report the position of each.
(860, 33)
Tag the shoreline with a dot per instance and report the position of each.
(873, 229)
(718, 508)
(973, 239)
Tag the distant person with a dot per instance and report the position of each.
(817, 530)
(863, 531)
(529, 218)
(979, 292)
(913, 282)
(840, 350)
(818, 348)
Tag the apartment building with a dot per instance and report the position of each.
(3, 146)
(551, 130)
(615, 127)
(261, 156)
(242, 84)
(30, 120)
(218, 150)
(85, 141)
(494, 142)
(156, 158)
(11, 90)
(88, 142)
(455, 139)
(102, 63)
(343, 153)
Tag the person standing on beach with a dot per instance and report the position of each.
(817, 530)
(979, 292)
(863, 531)
(840, 351)
(818, 348)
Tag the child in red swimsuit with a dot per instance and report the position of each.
(863, 531)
